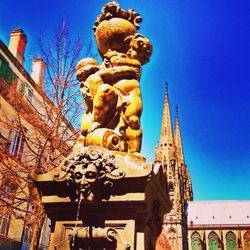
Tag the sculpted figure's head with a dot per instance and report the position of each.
(85, 176)
(85, 68)
(140, 48)
(89, 173)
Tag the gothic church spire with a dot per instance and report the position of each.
(166, 137)
(177, 138)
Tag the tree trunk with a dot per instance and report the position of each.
(38, 215)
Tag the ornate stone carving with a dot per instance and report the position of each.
(83, 237)
(112, 10)
(111, 91)
(109, 185)
(90, 173)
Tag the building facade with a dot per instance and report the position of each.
(219, 225)
(196, 225)
(170, 153)
(26, 115)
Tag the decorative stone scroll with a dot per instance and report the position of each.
(87, 236)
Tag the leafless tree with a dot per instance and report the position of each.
(47, 127)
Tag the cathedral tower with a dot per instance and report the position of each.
(170, 153)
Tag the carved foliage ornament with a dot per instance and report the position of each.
(90, 173)
(113, 10)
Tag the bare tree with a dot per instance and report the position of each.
(45, 128)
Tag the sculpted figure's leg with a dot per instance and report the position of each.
(132, 114)
(104, 106)
(134, 134)
(86, 122)
(132, 93)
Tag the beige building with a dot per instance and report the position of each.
(21, 97)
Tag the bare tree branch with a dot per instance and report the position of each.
(43, 127)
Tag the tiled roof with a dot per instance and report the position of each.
(218, 213)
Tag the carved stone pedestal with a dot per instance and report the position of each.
(96, 200)
(111, 236)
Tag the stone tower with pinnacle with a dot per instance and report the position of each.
(169, 152)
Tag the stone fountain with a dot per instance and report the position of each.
(105, 195)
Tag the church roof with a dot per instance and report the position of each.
(202, 213)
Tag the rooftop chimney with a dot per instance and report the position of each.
(17, 44)
(38, 70)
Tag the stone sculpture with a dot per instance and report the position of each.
(111, 91)
(100, 186)
(108, 238)
(90, 173)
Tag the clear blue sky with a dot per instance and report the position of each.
(202, 48)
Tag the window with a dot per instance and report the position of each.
(195, 241)
(27, 233)
(17, 145)
(4, 224)
(27, 236)
(7, 191)
(3, 142)
(213, 241)
(5, 214)
(8, 142)
(5, 71)
(4, 193)
(26, 92)
(231, 241)
(247, 240)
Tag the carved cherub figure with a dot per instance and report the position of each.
(112, 91)
(138, 54)
(85, 68)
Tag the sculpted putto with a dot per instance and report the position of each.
(111, 90)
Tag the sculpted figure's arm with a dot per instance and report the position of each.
(117, 73)
(118, 61)
(132, 63)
